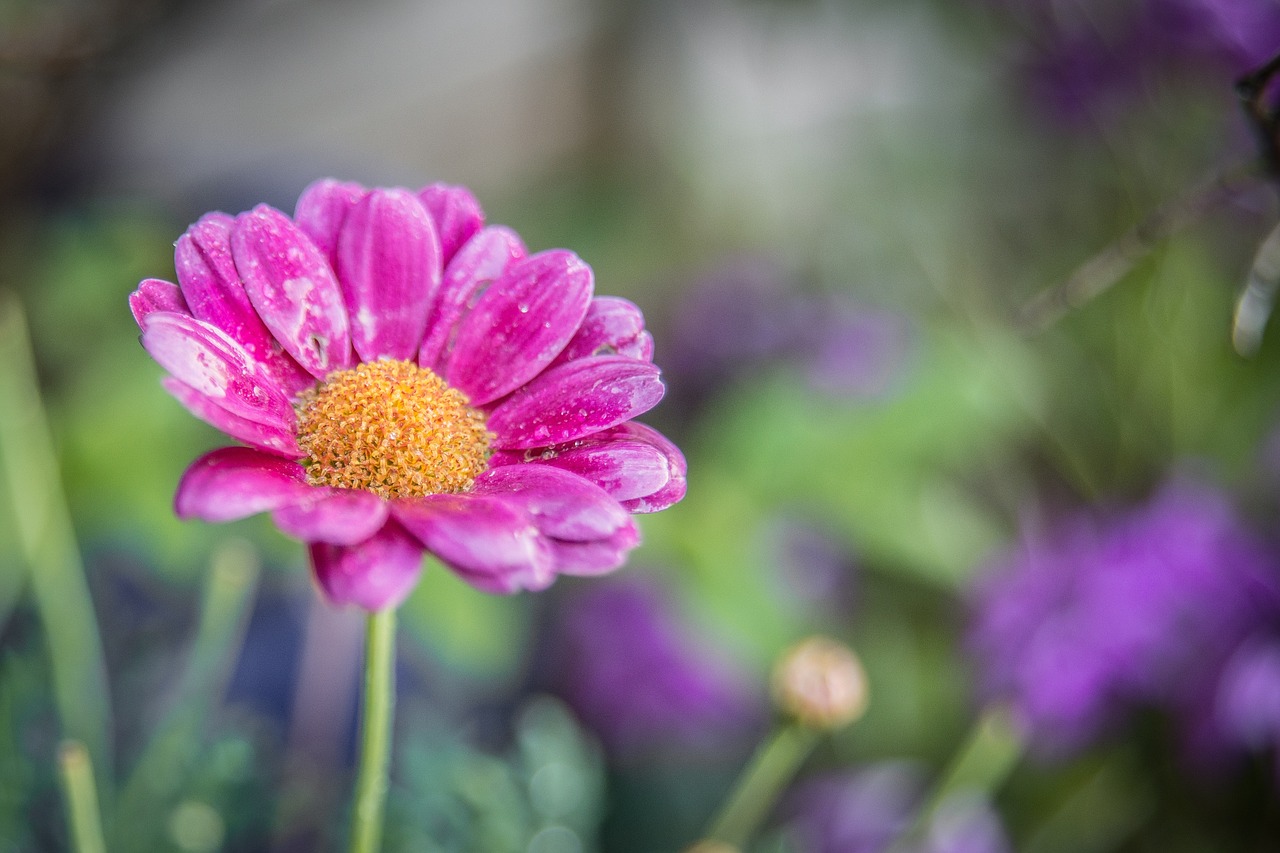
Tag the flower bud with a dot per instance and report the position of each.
(820, 683)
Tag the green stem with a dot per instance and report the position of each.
(987, 757)
(83, 820)
(1098, 274)
(173, 748)
(769, 771)
(49, 550)
(375, 731)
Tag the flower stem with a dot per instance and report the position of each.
(1097, 275)
(83, 820)
(29, 467)
(771, 768)
(982, 763)
(375, 731)
(172, 751)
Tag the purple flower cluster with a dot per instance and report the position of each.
(639, 677)
(1080, 58)
(867, 810)
(750, 314)
(1140, 608)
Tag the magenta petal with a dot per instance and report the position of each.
(322, 208)
(336, 516)
(624, 469)
(456, 213)
(155, 294)
(476, 265)
(212, 287)
(575, 400)
(492, 544)
(612, 326)
(596, 557)
(236, 482)
(519, 325)
(375, 574)
(293, 289)
(273, 439)
(203, 357)
(676, 486)
(563, 505)
(388, 263)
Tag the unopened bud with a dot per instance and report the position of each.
(821, 684)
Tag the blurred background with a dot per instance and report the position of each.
(839, 217)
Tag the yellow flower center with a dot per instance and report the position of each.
(393, 428)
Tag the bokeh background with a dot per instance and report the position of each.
(834, 214)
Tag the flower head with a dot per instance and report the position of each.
(1137, 609)
(407, 378)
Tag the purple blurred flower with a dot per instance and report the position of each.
(643, 681)
(1248, 700)
(1082, 60)
(1104, 614)
(750, 314)
(867, 810)
(408, 379)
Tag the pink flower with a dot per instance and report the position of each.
(408, 379)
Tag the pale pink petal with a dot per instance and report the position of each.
(612, 326)
(624, 469)
(492, 544)
(336, 516)
(211, 285)
(203, 357)
(293, 289)
(519, 325)
(479, 262)
(456, 213)
(575, 400)
(236, 482)
(375, 574)
(274, 439)
(155, 294)
(388, 263)
(563, 505)
(596, 557)
(322, 208)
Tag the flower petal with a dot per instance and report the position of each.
(456, 213)
(575, 400)
(492, 544)
(612, 326)
(273, 439)
(203, 357)
(211, 286)
(375, 574)
(519, 325)
(677, 483)
(476, 265)
(322, 208)
(624, 469)
(596, 557)
(388, 262)
(336, 516)
(237, 482)
(563, 505)
(155, 294)
(293, 289)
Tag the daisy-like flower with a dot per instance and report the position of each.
(407, 378)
